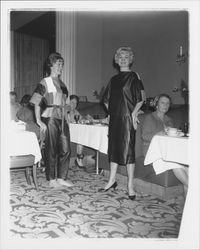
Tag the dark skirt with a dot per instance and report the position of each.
(121, 140)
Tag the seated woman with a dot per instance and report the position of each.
(74, 100)
(26, 114)
(158, 121)
(14, 106)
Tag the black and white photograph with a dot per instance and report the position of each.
(100, 125)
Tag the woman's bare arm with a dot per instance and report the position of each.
(43, 127)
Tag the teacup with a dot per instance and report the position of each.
(172, 131)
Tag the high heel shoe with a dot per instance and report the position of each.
(79, 157)
(114, 185)
(132, 197)
(76, 163)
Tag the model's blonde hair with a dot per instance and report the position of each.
(121, 50)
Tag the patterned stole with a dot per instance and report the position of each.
(50, 85)
(54, 97)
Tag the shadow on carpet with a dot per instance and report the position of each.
(80, 211)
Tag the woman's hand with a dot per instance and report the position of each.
(42, 126)
(135, 118)
(135, 121)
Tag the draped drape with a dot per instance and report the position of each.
(66, 45)
(27, 62)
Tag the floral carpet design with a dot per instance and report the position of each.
(81, 211)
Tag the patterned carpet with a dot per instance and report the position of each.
(81, 211)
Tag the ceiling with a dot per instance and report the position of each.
(36, 23)
(20, 18)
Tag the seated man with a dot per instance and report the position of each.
(158, 121)
(26, 114)
(72, 116)
(14, 106)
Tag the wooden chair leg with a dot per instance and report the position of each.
(35, 176)
(27, 173)
(166, 178)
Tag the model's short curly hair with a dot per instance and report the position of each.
(51, 59)
(122, 50)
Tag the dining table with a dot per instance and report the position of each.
(167, 152)
(94, 136)
(22, 142)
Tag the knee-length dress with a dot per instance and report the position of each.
(121, 94)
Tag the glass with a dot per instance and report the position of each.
(185, 128)
(76, 118)
(96, 117)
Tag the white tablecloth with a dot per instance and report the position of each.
(93, 136)
(166, 152)
(24, 143)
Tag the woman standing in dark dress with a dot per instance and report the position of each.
(123, 97)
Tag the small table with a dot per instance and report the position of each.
(167, 152)
(93, 136)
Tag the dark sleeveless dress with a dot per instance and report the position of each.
(121, 94)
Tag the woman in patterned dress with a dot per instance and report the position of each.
(52, 93)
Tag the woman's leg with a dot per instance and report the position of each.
(51, 148)
(113, 171)
(79, 149)
(80, 155)
(130, 171)
(64, 156)
(182, 176)
(50, 151)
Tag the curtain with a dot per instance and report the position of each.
(66, 45)
(27, 62)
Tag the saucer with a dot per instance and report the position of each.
(178, 134)
(98, 124)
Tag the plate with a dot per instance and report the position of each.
(179, 134)
(98, 124)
